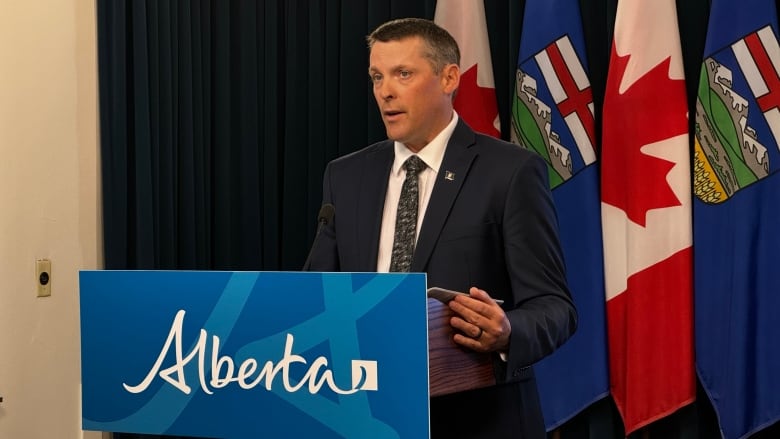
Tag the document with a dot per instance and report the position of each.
(444, 295)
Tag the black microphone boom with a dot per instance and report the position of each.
(323, 219)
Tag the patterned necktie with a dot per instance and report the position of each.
(406, 217)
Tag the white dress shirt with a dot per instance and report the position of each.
(432, 154)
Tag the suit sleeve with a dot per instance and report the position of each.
(324, 251)
(542, 315)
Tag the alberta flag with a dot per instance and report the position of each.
(552, 114)
(646, 212)
(737, 213)
(475, 101)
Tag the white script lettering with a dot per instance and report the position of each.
(223, 368)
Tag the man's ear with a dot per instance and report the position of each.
(450, 78)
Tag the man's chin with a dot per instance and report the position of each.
(393, 135)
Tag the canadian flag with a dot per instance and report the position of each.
(475, 100)
(646, 216)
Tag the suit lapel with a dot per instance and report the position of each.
(371, 204)
(454, 167)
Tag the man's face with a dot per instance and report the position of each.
(415, 103)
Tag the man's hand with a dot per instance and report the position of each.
(482, 323)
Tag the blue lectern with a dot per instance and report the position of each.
(255, 354)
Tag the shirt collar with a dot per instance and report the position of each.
(432, 154)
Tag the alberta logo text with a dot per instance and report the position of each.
(249, 374)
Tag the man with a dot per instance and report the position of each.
(483, 222)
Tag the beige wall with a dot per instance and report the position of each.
(48, 209)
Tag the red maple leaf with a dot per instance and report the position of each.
(475, 104)
(652, 109)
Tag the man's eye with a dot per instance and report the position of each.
(405, 74)
(376, 78)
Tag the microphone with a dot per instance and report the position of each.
(327, 211)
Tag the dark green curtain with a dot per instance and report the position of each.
(218, 117)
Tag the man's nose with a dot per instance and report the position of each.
(385, 91)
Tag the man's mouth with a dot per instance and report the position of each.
(392, 114)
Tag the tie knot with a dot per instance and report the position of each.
(414, 165)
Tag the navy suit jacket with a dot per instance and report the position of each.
(490, 223)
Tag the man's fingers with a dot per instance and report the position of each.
(480, 295)
(470, 329)
(477, 344)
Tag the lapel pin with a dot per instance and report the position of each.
(449, 175)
